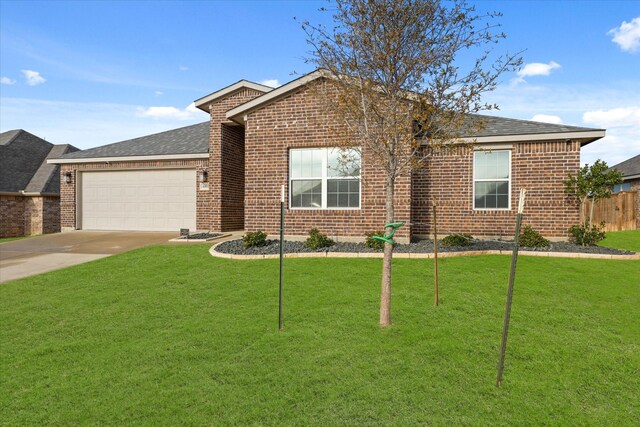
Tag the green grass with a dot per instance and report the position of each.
(170, 335)
(629, 240)
(9, 239)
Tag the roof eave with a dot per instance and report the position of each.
(585, 137)
(72, 160)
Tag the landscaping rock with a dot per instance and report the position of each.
(272, 247)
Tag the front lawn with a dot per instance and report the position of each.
(629, 240)
(171, 336)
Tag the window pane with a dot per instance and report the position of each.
(502, 188)
(306, 193)
(296, 163)
(503, 165)
(491, 165)
(306, 163)
(343, 193)
(318, 157)
(343, 162)
(491, 195)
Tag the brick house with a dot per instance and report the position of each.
(29, 186)
(226, 174)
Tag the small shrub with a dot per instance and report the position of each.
(253, 239)
(531, 238)
(317, 240)
(586, 235)
(457, 239)
(372, 243)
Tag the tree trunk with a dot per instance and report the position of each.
(593, 202)
(385, 293)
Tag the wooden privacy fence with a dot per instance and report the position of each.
(618, 212)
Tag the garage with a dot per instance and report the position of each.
(142, 200)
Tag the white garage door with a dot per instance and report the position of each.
(145, 200)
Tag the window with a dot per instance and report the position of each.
(491, 179)
(625, 186)
(324, 178)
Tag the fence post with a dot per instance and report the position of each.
(512, 276)
(281, 257)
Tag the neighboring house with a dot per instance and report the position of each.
(630, 170)
(29, 186)
(260, 138)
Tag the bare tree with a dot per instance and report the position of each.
(402, 76)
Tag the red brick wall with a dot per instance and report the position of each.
(50, 214)
(223, 209)
(29, 215)
(299, 121)
(68, 191)
(11, 216)
(539, 167)
(232, 179)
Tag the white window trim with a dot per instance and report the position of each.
(324, 178)
(474, 180)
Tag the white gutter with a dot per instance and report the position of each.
(129, 158)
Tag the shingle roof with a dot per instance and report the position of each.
(23, 163)
(502, 126)
(629, 167)
(192, 139)
(47, 179)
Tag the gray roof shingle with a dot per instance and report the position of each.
(23, 163)
(47, 179)
(629, 167)
(192, 139)
(502, 126)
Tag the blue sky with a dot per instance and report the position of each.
(92, 73)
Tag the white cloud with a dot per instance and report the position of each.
(183, 68)
(570, 102)
(613, 118)
(535, 69)
(159, 92)
(88, 124)
(270, 82)
(547, 118)
(7, 81)
(623, 134)
(169, 112)
(627, 35)
(33, 78)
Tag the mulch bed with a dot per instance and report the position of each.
(235, 247)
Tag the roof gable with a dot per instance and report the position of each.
(204, 102)
(21, 154)
(236, 114)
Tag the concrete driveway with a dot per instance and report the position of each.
(35, 255)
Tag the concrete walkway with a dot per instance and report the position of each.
(35, 255)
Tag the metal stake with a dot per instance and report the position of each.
(435, 253)
(281, 256)
(512, 275)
